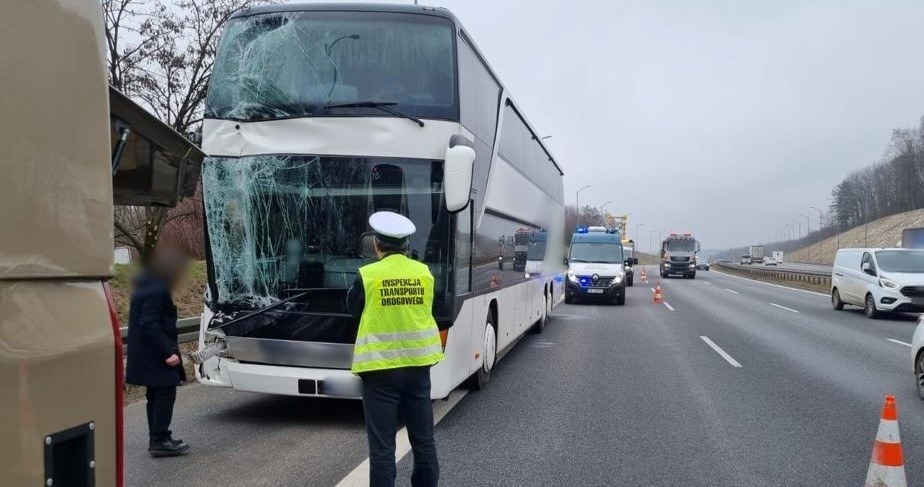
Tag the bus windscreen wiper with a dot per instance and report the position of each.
(385, 106)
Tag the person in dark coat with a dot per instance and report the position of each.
(153, 353)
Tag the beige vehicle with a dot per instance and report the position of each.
(60, 345)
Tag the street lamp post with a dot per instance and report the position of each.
(603, 211)
(808, 224)
(651, 239)
(820, 213)
(799, 228)
(637, 236)
(577, 203)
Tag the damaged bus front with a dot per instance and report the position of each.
(318, 116)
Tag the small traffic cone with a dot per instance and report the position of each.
(887, 465)
(657, 295)
(494, 281)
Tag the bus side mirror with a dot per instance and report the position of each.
(457, 176)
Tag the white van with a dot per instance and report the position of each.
(879, 280)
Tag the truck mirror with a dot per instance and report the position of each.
(457, 175)
(634, 260)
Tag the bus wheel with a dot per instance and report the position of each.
(539, 327)
(481, 378)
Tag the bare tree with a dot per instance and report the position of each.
(161, 54)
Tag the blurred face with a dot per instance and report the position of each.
(171, 265)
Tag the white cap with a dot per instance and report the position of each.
(391, 224)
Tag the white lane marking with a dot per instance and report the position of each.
(667, 305)
(359, 477)
(706, 282)
(771, 284)
(728, 358)
(783, 307)
(898, 342)
(652, 289)
(732, 291)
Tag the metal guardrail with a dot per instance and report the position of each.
(187, 329)
(809, 277)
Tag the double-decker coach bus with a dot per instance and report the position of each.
(319, 115)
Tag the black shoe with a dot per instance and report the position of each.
(167, 448)
(179, 442)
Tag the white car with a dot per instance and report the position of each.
(917, 355)
(771, 261)
(879, 280)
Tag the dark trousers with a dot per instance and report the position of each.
(389, 396)
(160, 411)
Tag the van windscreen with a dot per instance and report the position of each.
(901, 260)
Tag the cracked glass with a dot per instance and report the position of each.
(279, 225)
(295, 64)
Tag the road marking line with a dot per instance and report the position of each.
(771, 284)
(667, 305)
(706, 282)
(732, 291)
(652, 289)
(898, 342)
(728, 358)
(783, 307)
(359, 477)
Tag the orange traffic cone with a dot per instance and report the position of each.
(887, 466)
(657, 295)
(494, 281)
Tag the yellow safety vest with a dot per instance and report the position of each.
(397, 328)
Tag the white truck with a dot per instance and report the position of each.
(757, 253)
(778, 256)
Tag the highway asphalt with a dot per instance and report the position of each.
(731, 382)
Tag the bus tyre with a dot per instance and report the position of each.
(543, 320)
(869, 307)
(480, 379)
(836, 302)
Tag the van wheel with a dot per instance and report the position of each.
(480, 379)
(836, 302)
(919, 374)
(621, 299)
(870, 307)
(630, 281)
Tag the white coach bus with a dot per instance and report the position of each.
(319, 115)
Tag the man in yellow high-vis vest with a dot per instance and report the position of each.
(396, 344)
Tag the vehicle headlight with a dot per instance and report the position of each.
(571, 277)
(692, 265)
(618, 277)
(887, 283)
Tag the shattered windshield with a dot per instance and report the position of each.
(292, 64)
(277, 224)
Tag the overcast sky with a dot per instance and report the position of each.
(726, 118)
